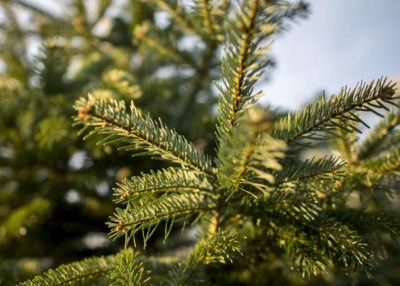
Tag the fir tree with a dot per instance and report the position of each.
(262, 213)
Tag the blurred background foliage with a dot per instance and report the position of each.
(55, 188)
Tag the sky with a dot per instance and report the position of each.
(341, 43)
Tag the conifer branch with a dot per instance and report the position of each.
(245, 59)
(303, 252)
(71, 274)
(248, 160)
(344, 246)
(241, 36)
(381, 131)
(321, 243)
(215, 249)
(366, 221)
(167, 180)
(216, 219)
(326, 168)
(247, 157)
(127, 270)
(152, 211)
(248, 30)
(384, 163)
(291, 203)
(298, 202)
(242, 68)
(121, 269)
(140, 132)
(251, 155)
(379, 186)
(319, 115)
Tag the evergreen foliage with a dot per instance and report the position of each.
(216, 249)
(337, 112)
(261, 208)
(139, 132)
(121, 269)
(78, 273)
